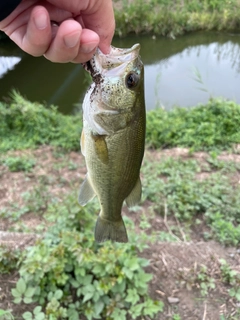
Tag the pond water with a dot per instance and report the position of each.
(184, 72)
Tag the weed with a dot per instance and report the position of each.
(69, 274)
(6, 315)
(172, 18)
(24, 125)
(197, 277)
(229, 275)
(173, 188)
(37, 314)
(205, 127)
(8, 259)
(22, 163)
(232, 278)
(37, 200)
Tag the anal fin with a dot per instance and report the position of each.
(135, 195)
(86, 192)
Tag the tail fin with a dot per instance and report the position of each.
(110, 230)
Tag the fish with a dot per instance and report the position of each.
(113, 137)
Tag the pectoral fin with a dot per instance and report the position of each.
(86, 192)
(82, 143)
(101, 147)
(135, 195)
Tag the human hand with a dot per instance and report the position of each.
(78, 28)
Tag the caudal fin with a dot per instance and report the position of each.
(110, 230)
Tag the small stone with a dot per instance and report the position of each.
(173, 300)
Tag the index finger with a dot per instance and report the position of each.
(100, 18)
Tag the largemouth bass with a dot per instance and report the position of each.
(113, 136)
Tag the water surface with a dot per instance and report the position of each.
(185, 71)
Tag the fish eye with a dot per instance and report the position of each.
(131, 80)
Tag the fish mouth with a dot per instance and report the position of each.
(111, 64)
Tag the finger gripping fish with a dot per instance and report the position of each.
(112, 141)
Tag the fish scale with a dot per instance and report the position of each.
(113, 136)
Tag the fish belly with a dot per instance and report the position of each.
(113, 163)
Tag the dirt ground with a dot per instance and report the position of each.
(174, 265)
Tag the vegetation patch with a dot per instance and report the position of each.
(214, 126)
(68, 274)
(183, 237)
(24, 124)
(175, 189)
(205, 127)
(175, 17)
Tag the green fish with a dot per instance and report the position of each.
(113, 136)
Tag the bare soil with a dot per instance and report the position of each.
(174, 265)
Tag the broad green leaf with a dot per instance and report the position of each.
(232, 292)
(17, 300)
(29, 292)
(21, 285)
(73, 315)
(136, 310)
(119, 287)
(58, 294)
(132, 296)
(37, 310)
(238, 296)
(27, 300)
(98, 307)
(87, 280)
(16, 293)
(88, 296)
(27, 315)
(79, 292)
(128, 273)
(152, 307)
(119, 314)
(75, 283)
(40, 316)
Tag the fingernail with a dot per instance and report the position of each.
(87, 48)
(72, 39)
(41, 21)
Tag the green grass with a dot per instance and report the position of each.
(69, 274)
(205, 127)
(24, 124)
(52, 271)
(173, 184)
(175, 17)
(214, 126)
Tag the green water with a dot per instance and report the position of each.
(170, 72)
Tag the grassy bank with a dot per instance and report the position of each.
(189, 198)
(175, 17)
(214, 126)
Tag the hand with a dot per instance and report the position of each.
(61, 30)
